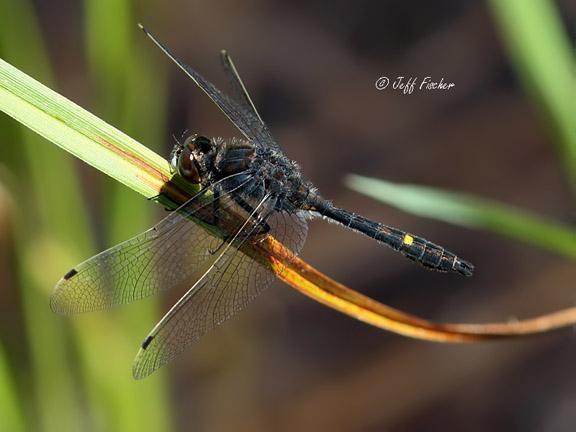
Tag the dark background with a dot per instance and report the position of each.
(290, 364)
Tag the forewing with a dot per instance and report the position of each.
(249, 124)
(240, 92)
(233, 281)
(169, 255)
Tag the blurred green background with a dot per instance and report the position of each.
(503, 133)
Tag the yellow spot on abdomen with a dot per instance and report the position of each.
(408, 239)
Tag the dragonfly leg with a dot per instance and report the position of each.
(155, 198)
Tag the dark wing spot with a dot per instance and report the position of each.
(71, 273)
(147, 342)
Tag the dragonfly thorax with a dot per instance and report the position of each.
(204, 161)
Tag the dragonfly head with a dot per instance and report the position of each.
(193, 158)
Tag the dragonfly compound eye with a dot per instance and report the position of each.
(187, 166)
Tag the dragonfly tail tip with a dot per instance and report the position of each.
(464, 267)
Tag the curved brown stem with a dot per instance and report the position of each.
(323, 289)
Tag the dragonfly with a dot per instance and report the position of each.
(197, 248)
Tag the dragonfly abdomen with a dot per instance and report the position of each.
(425, 252)
(413, 247)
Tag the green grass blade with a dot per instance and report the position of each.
(110, 52)
(539, 46)
(79, 132)
(471, 212)
(40, 230)
(121, 72)
(11, 415)
(114, 404)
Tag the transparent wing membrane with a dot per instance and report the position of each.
(249, 124)
(200, 259)
(168, 255)
(240, 92)
(228, 286)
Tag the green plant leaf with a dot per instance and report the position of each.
(540, 49)
(119, 70)
(81, 133)
(39, 233)
(112, 402)
(11, 415)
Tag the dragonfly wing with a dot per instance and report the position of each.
(226, 288)
(240, 92)
(169, 255)
(249, 124)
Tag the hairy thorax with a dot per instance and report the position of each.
(257, 170)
